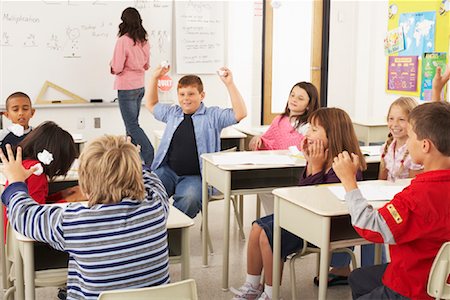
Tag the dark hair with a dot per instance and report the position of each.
(431, 121)
(54, 139)
(313, 103)
(340, 132)
(191, 80)
(16, 95)
(132, 25)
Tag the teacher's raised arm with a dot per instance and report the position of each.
(130, 61)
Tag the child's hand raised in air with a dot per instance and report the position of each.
(315, 154)
(255, 143)
(225, 75)
(439, 81)
(160, 71)
(345, 167)
(12, 166)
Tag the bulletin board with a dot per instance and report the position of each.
(400, 11)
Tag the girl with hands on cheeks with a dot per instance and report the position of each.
(315, 152)
(331, 132)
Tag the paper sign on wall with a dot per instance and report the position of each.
(419, 30)
(394, 41)
(429, 64)
(402, 73)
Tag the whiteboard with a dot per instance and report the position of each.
(70, 43)
(199, 36)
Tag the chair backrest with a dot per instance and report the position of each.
(438, 286)
(182, 290)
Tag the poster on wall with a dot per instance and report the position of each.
(394, 41)
(402, 73)
(430, 62)
(419, 31)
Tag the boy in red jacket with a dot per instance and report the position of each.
(416, 222)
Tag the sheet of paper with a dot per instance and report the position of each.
(239, 158)
(371, 150)
(370, 192)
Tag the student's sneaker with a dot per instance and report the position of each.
(264, 297)
(247, 291)
(62, 293)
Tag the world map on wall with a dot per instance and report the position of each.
(419, 31)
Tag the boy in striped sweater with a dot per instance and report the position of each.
(119, 240)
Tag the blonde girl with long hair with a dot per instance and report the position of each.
(396, 162)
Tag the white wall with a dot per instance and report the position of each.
(357, 72)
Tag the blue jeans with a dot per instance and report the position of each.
(186, 190)
(130, 106)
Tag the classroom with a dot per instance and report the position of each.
(360, 55)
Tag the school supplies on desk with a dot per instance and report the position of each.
(370, 192)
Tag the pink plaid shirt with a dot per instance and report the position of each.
(393, 161)
(129, 63)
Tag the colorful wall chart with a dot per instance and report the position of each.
(426, 29)
(402, 73)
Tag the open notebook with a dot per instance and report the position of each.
(370, 192)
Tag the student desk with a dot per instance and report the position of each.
(24, 255)
(248, 179)
(371, 132)
(229, 137)
(317, 215)
(251, 131)
(241, 180)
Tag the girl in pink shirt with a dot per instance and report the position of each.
(130, 61)
(289, 128)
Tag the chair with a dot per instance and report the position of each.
(182, 290)
(309, 250)
(438, 286)
(42, 278)
(238, 212)
(5, 265)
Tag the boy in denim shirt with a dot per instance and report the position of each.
(192, 129)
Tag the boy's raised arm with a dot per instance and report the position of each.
(151, 97)
(237, 102)
(439, 81)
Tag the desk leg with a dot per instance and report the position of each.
(28, 262)
(18, 268)
(204, 216)
(242, 144)
(276, 250)
(226, 231)
(324, 259)
(185, 255)
(377, 254)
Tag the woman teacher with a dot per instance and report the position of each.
(130, 61)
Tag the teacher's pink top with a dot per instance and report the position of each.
(129, 63)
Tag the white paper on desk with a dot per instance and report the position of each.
(242, 158)
(370, 192)
(371, 150)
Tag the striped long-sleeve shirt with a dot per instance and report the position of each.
(111, 246)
